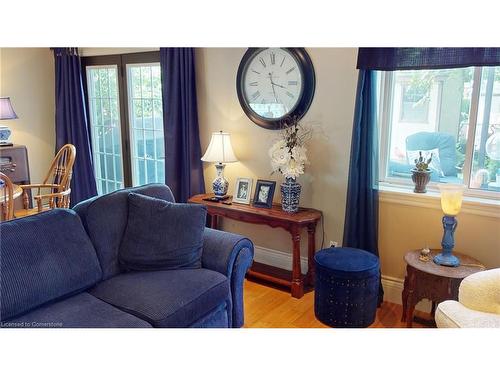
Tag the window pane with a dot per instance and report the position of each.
(429, 112)
(485, 172)
(145, 107)
(105, 127)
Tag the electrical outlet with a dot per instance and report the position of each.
(334, 244)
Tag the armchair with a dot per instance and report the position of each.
(425, 141)
(478, 304)
(57, 183)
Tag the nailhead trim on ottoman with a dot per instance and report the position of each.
(346, 288)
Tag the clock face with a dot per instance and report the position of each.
(272, 83)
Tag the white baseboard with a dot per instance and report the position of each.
(393, 286)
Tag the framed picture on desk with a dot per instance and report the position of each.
(243, 190)
(264, 193)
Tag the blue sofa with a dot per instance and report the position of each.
(60, 269)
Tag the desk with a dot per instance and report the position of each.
(274, 217)
(432, 281)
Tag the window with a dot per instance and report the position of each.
(124, 102)
(453, 114)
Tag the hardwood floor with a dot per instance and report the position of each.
(270, 307)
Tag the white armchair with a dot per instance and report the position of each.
(478, 303)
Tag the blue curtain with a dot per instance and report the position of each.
(361, 218)
(71, 121)
(426, 58)
(184, 170)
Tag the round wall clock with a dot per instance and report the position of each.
(275, 83)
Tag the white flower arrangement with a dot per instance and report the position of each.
(289, 154)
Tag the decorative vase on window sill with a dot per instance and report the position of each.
(421, 179)
(421, 174)
(290, 195)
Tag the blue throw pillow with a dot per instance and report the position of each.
(161, 235)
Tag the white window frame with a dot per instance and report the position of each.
(389, 183)
(131, 128)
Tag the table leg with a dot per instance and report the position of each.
(213, 222)
(311, 248)
(404, 298)
(410, 300)
(433, 309)
(297, 282)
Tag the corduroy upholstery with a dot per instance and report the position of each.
(346, 288)
(105, 219)
(173, 298)
(58, 277)
(162, 235)
(231, 255)
(80, 311)
(44, 257)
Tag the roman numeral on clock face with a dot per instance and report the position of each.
(290, 70)
(254, 83)
(292, 83)
(255, 71)
(255, 95)
(290, 94)
(273, 58)
(262, 62)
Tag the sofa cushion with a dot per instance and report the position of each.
(80, 311)
(105, 219)
(174, 298)
(161, 235)
(44, 257)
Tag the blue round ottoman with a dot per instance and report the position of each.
(347, 287)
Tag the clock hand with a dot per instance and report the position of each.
(272, 83)
(275, 84)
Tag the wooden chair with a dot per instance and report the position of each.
(57, 182)
(7, 201)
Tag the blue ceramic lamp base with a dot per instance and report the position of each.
(220, 184)
(445, 258)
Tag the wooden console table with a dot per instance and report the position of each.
(432, 281)
(274, 217)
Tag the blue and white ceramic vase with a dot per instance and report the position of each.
(290, 195)
(220, 184)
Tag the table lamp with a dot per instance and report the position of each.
(451, 203)
(6, 113)
(220, 151)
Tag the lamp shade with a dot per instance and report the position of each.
(220, 150)
(6, 110)
(451, 198)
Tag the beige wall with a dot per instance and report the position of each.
(402, 227)
(324, 185)
(27, 76)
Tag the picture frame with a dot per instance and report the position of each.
(243, 190)
(264, 193)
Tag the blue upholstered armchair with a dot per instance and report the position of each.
(425, 141)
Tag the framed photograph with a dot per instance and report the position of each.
(243, 190)
(264, 193)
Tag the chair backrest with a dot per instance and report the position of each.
(444, 142)
(7, 195)
(105, 219)
(61, 169)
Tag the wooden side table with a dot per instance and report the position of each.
(274, 217)
(432, 281)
